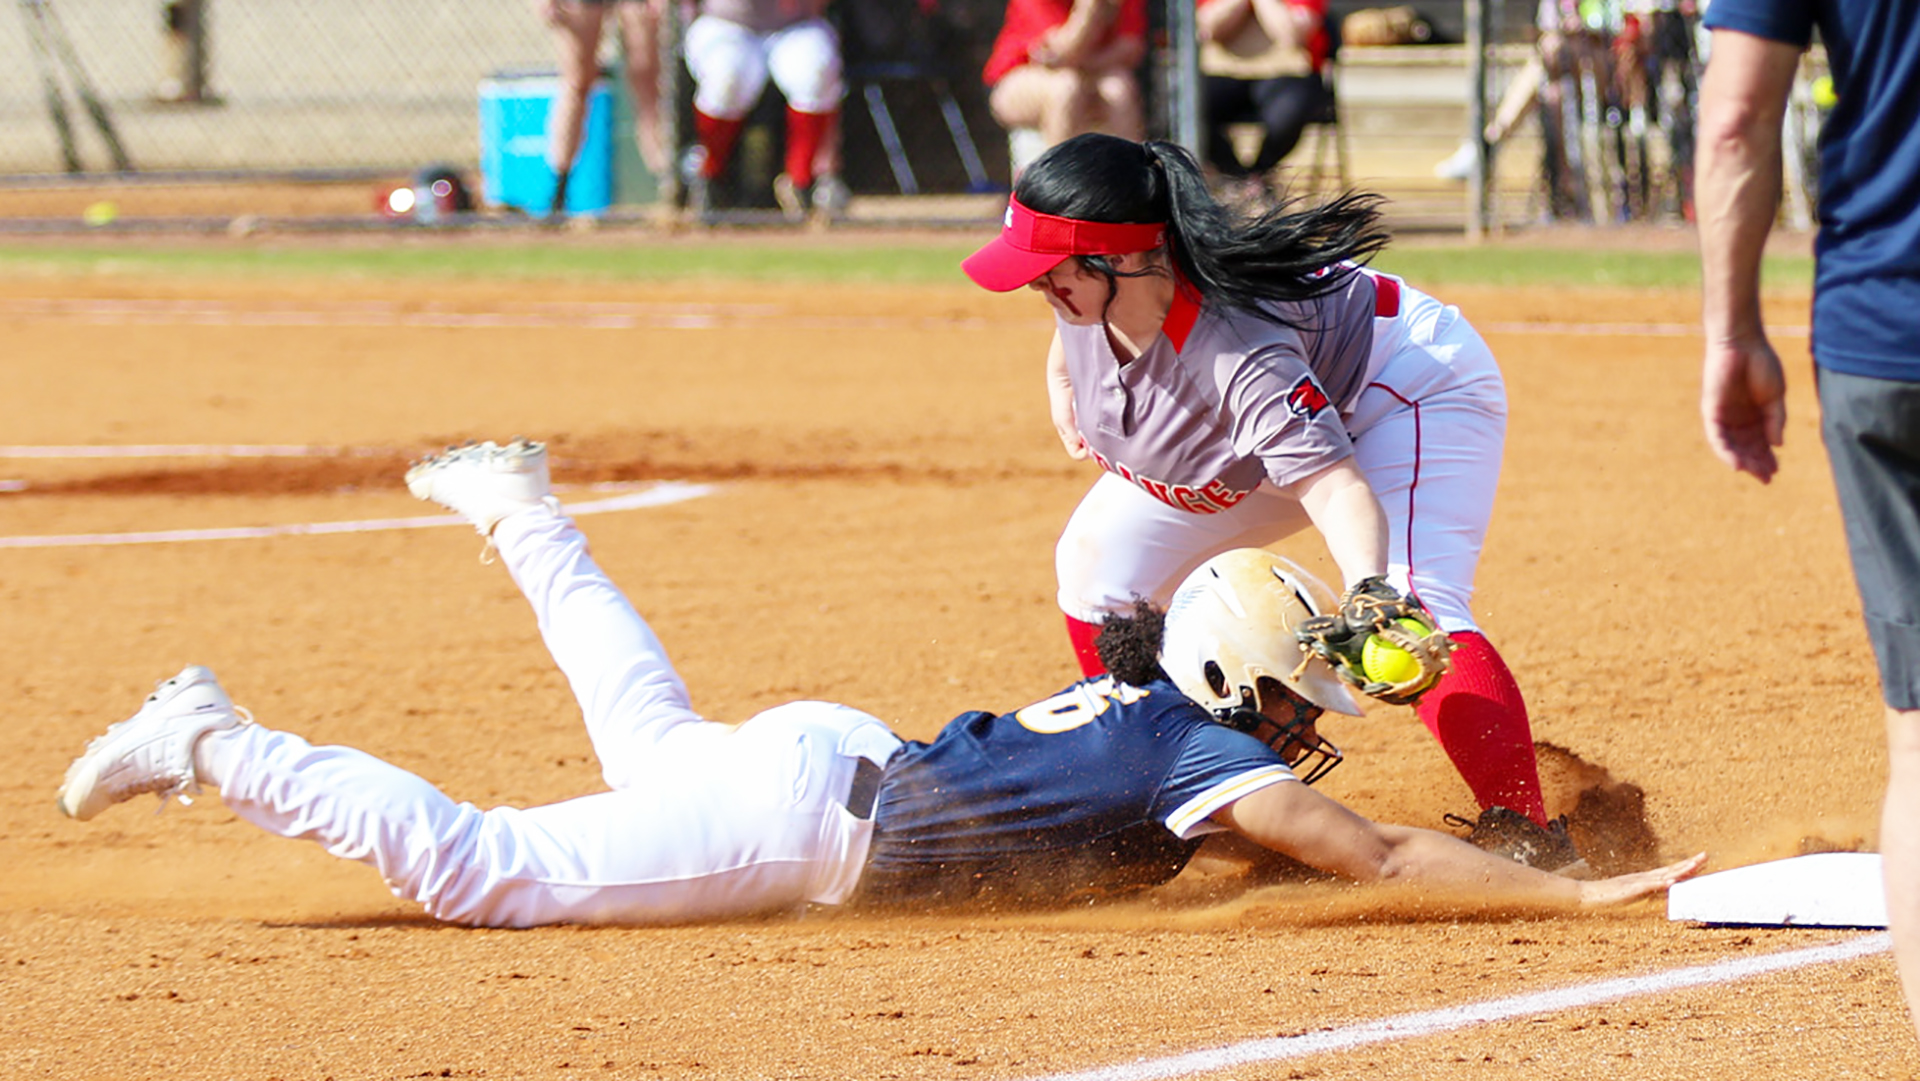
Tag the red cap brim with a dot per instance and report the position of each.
(1002, 268)
(1031, 243)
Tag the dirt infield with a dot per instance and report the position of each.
(885, 493)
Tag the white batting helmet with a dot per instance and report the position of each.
(1232, 622)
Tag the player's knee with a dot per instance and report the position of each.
(816, 96)
(814, 87)
(727, 97)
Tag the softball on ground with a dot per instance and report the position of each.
(100, 213)
(1384, 662)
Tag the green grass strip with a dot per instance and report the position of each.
(747, 257)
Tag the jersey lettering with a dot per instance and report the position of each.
(1210, 498)
(1077, 705)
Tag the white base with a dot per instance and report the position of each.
(1829, 889)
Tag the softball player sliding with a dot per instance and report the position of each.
(1105, 788)
(1242, 380)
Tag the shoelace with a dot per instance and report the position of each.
(185, 788)
(174, 786)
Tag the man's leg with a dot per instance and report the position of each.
(1900, 849)
(1871, 428)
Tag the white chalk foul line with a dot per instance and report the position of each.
(659, 495)
(1431, 1022)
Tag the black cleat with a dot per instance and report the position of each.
(1509, 833)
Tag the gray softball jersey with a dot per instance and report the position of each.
(1224, 399)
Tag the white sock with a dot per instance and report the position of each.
(214, 755)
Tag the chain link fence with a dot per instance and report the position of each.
(195, 91)
(284, 85)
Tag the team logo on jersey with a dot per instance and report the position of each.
(1305, 398)
(1209, 498)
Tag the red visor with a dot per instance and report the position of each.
(1030, 244)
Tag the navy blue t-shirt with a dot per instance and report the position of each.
(1866, 307)
(1101, 790)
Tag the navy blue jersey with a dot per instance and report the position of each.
(1103, 789)
(1867, 274)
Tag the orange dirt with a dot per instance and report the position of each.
(888, 490)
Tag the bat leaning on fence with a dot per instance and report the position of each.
(50, 43)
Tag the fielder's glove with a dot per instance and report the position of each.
(1410, 658)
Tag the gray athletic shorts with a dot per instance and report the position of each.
(1872, 431)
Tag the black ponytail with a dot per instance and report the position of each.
(1240, 262)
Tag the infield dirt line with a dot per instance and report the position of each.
(606, 315)
(1432, 1022)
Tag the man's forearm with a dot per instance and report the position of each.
(1737, 182)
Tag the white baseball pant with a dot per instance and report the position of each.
(731, 64)
(704, 820)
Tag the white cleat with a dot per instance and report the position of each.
(152, 751)
(483, 482)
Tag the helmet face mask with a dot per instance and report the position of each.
(1228, 645)
(1296, 739)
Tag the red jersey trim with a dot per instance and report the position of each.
(1386, 296)
(1184, 313)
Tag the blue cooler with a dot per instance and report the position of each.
(513, 145)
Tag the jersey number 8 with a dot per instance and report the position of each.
(1077, 705)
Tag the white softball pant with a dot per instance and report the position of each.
(704, 821)
(730, 66)
(1428, 432)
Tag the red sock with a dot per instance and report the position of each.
(1480, 719)
(717, 136)
(1082, 634)
(805, 133)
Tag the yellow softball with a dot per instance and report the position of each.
(1384, 662)
(1823, 92)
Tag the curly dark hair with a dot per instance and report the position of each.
(1129, 645)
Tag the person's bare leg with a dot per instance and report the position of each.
(640, 30)
(1056, 101)
(1900, 850)
(1518, 102)
(1121, 110)
(1073, 109)
(576, 32)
